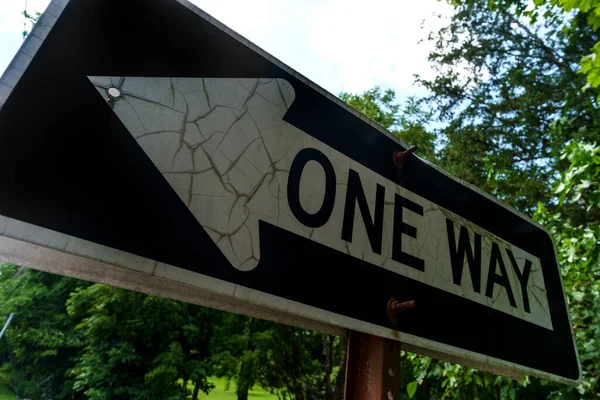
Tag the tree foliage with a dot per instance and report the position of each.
(407, 121)
(579, 254)
(140, 346)
(560, 10)
(517, 123)
(71, 339)
(510, 98)
(288, 361)
(41, 341)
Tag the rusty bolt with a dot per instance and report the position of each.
(400, 157)
(395, 307)
(399, 306)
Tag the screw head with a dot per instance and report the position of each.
(114, 92)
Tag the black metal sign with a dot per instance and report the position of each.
(145, 135)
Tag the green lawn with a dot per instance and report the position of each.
(219, 392)
(7, 394)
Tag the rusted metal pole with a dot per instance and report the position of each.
(372, 368)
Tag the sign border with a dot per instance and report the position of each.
(43, 249)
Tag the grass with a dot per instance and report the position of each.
(220, 392)
(7, 394)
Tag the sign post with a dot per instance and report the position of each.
(372, 369)
(169, 155)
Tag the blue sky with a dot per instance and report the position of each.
(342, 45)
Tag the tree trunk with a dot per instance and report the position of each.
(242, 392)
(196, 391)
(296, 389)
(341, 377)
(328, 339)
(245, 377)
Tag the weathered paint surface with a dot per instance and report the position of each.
(226, 150)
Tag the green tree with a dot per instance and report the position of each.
(41, 340)
(237, 356)
(579, 254)
(72, 339)
(560, 12)
(408, 121)
(139, 346)
(508, 93)
(289, 361)
(29, 20)
(510, 97)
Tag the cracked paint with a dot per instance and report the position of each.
(224, 148)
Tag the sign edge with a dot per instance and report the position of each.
(29, 48)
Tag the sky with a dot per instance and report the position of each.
(342, 45)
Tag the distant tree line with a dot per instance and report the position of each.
(72, 339)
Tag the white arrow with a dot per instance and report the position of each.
(225, 150)
(223, 146)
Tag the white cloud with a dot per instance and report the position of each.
(376, 42)
(342, 45)
(281, 27)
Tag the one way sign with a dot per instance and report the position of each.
(167, 154)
